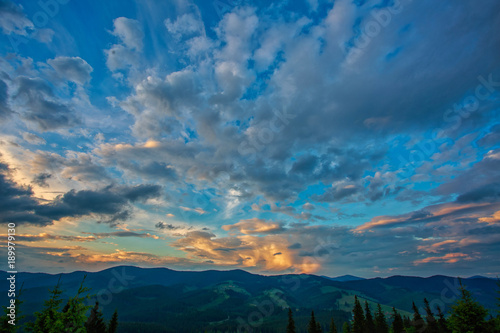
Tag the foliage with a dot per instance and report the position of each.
(380, 322)
(359, 317)
(467, 315)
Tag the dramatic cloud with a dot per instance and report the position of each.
(345, 137)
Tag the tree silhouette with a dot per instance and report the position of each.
(442, 323)
(333, 327)
(358, 324)
(467, 315)
(346, 328)
(369, 323)
(418, 322)
(313, 326)
(397, 322)
(113, 323)
(95, 322)
(380, 322)
(432, 325)
(290, 328)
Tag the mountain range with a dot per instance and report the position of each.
(165, 300)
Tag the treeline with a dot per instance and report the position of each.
(466, 316)
(72, 318)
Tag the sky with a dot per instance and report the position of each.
(327, 137)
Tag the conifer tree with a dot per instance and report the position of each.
(442, 323)
(312, 327)
(369, 323)
(319, 329)
(113, 323)
(358, 324)
(406, 322)
(95, 322)
(291, 324)
(74, 318)
(333, 327)
(346, 328)
(432, 325)
(397, 322)
(49, 319)
(418, 322)
(380, 322)
(467, 315)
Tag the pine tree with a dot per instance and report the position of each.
(74, 318)
(291, 324)
(406, 322)
(397, 322)
(369, 323)
(442, 323)
(319, 329)
(113, 323)
(418, 322)
(358, 324)
(346, 328)
(467, 315)
(49, 319)
(313, 325)
(432, 325)
(380, 322)
(333, 328)
(95, 322)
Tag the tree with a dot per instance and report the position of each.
(418, 322)
(346, 328)
(397, 322)
(313, 326)
(113, 323)
(467, 315)
(74, 318)
(442, 323)
(49, 319)
(333, 327)
(432, 325)
(358, 324)
(70, 320)
(95, 322)
(290, 328)
(369, 323)
(380, 322)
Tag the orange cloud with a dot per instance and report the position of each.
(254, 226)
(449, 258)
(268, 253)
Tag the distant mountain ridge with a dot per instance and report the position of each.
(215, 299)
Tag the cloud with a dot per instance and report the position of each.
(13, 19)
(72, 69)
(255, 226)
(41, 106)
(129, 31)
(112, 202)
(198, 210)
(5, 110)
(185, 25)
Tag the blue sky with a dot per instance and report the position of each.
(329, 137)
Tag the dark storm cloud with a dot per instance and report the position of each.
(112, 203)
(486, 193)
